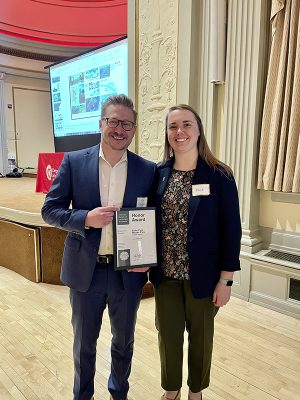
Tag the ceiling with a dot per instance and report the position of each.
(64, 22)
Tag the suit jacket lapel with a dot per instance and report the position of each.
(91, 167)
(129, 193)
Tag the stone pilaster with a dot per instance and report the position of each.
(3, 135)
(193, 76)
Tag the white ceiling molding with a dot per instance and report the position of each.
(23, 67)
(39, 48)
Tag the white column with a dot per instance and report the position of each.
(244, 88)
(3, 136)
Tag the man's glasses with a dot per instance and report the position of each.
(114, 122)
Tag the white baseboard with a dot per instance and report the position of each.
(285, 307)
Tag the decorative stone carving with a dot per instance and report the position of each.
(158, 26)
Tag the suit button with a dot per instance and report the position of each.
(190, 239)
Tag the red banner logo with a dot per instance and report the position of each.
(49, 172)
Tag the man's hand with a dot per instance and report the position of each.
(100, 216)
(144, 269)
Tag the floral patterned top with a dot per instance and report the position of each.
(174, 223)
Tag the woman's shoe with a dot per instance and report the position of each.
(189, 398)
(177, 397)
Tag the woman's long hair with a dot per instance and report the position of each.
(203, 149)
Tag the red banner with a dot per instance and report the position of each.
(48, 165)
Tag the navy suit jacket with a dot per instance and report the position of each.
(214, 228)
(77, 183)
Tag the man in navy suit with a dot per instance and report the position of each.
(97, 182)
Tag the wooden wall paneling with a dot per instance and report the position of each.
(20, 249)
(52, 247)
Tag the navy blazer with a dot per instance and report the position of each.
(214, 228)
(77, 183)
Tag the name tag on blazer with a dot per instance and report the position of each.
(201, 189)
(141, 201)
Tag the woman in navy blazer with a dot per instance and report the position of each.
(199, 233)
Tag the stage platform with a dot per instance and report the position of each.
(19, 201)
(28, 245)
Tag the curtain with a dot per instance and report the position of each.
(279, 158)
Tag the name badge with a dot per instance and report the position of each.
(141, 201)
(201, 189)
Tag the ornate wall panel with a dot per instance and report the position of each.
(158, 26)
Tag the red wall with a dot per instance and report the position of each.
(65, 22)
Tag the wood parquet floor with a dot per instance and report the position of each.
(256, 351)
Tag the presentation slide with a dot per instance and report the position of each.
(81, 84)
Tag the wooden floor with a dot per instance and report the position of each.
(256, 355)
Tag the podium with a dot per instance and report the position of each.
(48, 164)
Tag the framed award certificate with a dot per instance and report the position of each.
(134, 238)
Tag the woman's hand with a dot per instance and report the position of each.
(221, 295)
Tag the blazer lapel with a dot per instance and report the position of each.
(164, 174)
(201, 176)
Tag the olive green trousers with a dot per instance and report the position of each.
(176, 310)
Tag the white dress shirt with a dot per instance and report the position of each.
(112, 182)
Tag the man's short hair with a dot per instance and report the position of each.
(118, 100)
